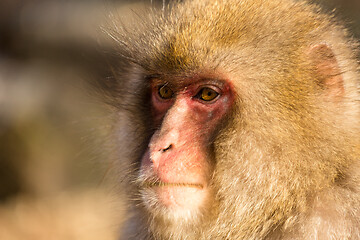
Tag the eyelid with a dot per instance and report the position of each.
(213, 87)
(163, 84)
(218, 84)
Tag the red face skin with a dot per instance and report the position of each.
(178, 153)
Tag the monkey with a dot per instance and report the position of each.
(237, 119)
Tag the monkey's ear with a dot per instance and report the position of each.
(328, 70)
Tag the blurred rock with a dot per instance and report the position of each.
(72, 216)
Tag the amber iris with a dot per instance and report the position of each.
(165, 92)
(208, 94)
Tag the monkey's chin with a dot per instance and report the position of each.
(175, 200)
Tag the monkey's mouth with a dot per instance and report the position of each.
(164, 184)
(174, 196)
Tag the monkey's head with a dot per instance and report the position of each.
(247, 108)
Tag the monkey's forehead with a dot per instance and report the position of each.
(208, 33)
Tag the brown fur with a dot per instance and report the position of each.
(287, 164)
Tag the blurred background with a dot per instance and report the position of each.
(53, 156)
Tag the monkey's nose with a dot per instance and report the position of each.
(167, 148)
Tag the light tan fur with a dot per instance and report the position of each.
(287, 163)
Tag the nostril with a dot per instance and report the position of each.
(165, 149)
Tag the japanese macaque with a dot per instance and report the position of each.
(238, 119)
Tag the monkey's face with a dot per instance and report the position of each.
(177, 166)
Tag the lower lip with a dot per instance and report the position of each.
(173, 195)
(162, 184)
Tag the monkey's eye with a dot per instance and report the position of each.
(165, 92)
(207, 94)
